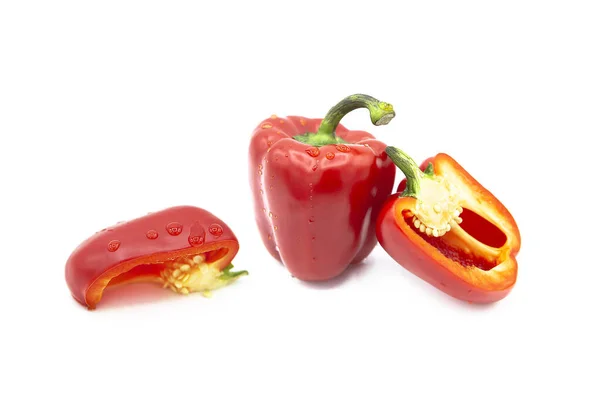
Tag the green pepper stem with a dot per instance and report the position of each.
(409, 168)
(381, 114)
(229, 274)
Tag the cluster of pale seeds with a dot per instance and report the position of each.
(435, 232)
(177, 273)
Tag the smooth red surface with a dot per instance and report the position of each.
(316, 208)
(444, 262)
(159, 236)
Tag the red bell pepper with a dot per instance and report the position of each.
(318, 187)
(447, 229)
(186, 249)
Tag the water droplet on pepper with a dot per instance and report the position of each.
(313, 151)
(113, 245)
(215, 229)
(151, 234)
(197, 234)
(330, 156)
(342, 147)
(174, 228)
(267, 126)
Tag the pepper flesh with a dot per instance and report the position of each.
(316, 197)
(475, 260)
(150, 249)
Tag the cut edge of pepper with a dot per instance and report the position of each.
(94, 293)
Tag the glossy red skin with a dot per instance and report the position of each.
(317, 214)
(92, 259)
(418, 257)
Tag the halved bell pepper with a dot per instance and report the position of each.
(318, 187)
(186, 249)
(447, 229)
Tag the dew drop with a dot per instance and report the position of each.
(113, 245)
(197, 234)
(314, 168)
(261, 191)
(215, 229)
(273, 116)
(270, 214)
(267, 126)
(174, 228)
(342, 147)
(311, 220)
(302, 121)
(269, 143)
(286, 156)
(269, 237)
(310, 184)
(196, 240)
(310, 198)
(330, 156)
(260, 171)
(314, 238)
(151, 234)
(313, 151)
(270, 186)
(260, 166)
(275, 227)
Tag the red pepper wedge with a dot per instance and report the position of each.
(447, 229)
(184, 248)
(318, 187)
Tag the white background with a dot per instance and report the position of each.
(112, 109)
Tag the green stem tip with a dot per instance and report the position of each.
(381, 114)
(228, 274)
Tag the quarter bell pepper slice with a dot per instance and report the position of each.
(186, 249)
(318, 187)
(450, 231)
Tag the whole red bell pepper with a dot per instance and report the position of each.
(318, 187)
(447, 229)
(186, 249)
